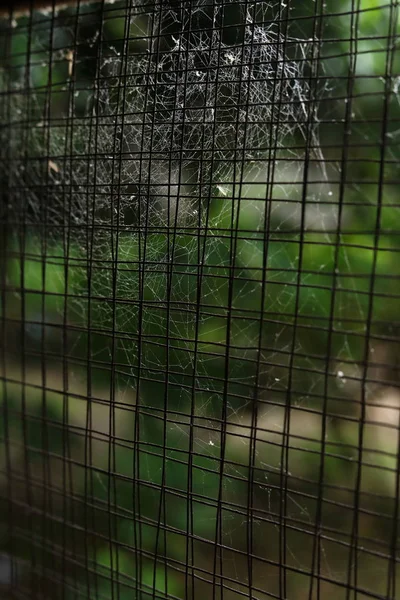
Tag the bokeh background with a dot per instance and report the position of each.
(123, 474)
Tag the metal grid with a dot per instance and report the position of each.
(200, 286)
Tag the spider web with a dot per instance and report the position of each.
(224, 115)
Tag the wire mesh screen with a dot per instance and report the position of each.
(200, 283)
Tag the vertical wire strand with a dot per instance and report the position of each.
(6, 155)
(285, 451)
(22, 258)
(93, 142)
(47, 479)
